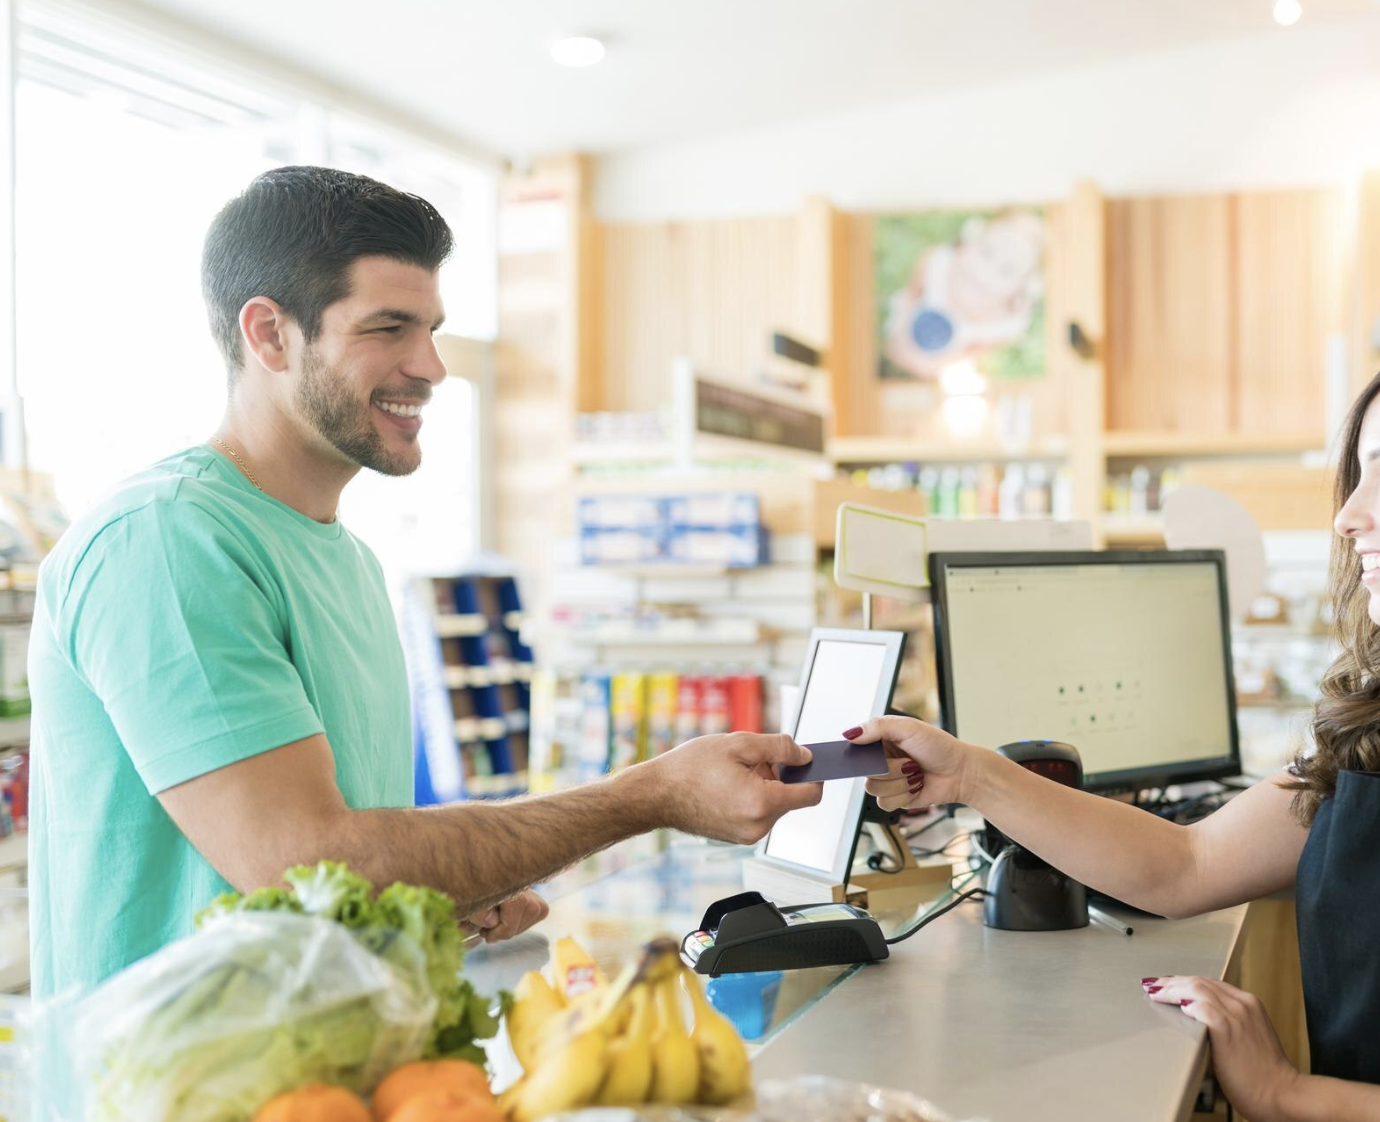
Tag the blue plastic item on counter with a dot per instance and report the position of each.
(748, 1000)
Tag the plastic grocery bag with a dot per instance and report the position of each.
(814, 1097)
(255, 1003)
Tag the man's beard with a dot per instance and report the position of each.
(325, 401)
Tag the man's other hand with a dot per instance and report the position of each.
(512, 917)
(725, 786)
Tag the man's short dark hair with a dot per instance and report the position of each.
(293, 235)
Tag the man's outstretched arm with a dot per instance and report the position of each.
(255, 818)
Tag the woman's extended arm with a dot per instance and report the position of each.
(1247, 849)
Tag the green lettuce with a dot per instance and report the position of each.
(424, 916)
(264, 998)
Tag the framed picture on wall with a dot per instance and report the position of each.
(960, 290)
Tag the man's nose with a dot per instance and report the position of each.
(427, 364)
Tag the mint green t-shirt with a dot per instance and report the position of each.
(188, 622)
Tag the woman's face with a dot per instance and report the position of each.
(1359, 518)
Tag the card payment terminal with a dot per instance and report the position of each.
(747, 932)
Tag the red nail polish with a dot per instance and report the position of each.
(910, 767)
(1153, 989)
(853, 733)
(917, 786)
(1147, 981)
(1186, 1001)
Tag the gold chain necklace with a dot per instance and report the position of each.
(242, 465)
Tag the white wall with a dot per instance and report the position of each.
(1294, 107)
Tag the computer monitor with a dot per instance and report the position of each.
(1124, 655)
(847, 679)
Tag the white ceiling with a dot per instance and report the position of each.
(686, 69)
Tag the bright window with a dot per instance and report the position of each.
(123, 157)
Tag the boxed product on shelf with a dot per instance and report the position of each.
(606, 546)
(715, 528)
(716, 508)
(662, 701)
(596, 724)
(745, 703)
(733, 547)
(689, 707)
(620, 512)
(628, 719)
(715, 711)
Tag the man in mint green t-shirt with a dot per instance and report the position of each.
(218, 685)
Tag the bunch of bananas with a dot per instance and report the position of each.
(622, 1043)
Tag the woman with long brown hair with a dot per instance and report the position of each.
(1315, 828)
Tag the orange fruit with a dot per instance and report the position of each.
(447, 1106)
(429, 1076)
(315, 1103)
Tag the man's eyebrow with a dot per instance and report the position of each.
(396, 315)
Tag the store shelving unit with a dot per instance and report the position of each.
(471, 674)
(1168, 445)
(890, 449)
(1273, 475)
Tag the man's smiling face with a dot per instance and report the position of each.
(365, 377)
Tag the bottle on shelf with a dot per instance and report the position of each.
(1063, 493)
(988, 490)
(1035, 500)
(948, 493)
(1011, 490)
(1138, 499)
(968, 492)
(928, 485)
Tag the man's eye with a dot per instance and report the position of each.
(394, 330)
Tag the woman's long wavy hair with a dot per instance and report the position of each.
(1346, 719)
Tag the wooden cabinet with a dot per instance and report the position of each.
(712, 290)
(1220, 310)
(1169, 321)
(1290, 275)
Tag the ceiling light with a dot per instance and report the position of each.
(1287, 12)
(961, 378)
(584, 50)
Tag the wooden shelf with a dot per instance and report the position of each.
(1133, 529)
(671, 570)
(688, 632)
(590, 455)
(896, 450)
(451, 625)
(1164, 444)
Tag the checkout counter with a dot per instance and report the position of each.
(1001, 1025)
(1128, 656)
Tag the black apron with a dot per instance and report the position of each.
(1338, 894)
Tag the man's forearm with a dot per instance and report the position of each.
(483, 852)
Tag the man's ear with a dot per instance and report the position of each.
(264, 329)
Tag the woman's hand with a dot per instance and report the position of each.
(928, 765)
(1254, 1072)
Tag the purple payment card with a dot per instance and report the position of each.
(837, 759)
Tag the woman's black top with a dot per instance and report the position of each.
(1338, 894)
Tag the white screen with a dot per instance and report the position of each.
(1122, 661)
(841, 692)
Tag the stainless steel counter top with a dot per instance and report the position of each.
(1018, 1026)
(1004, 1026)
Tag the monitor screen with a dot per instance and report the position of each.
(1125, 656)
(847, 682)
